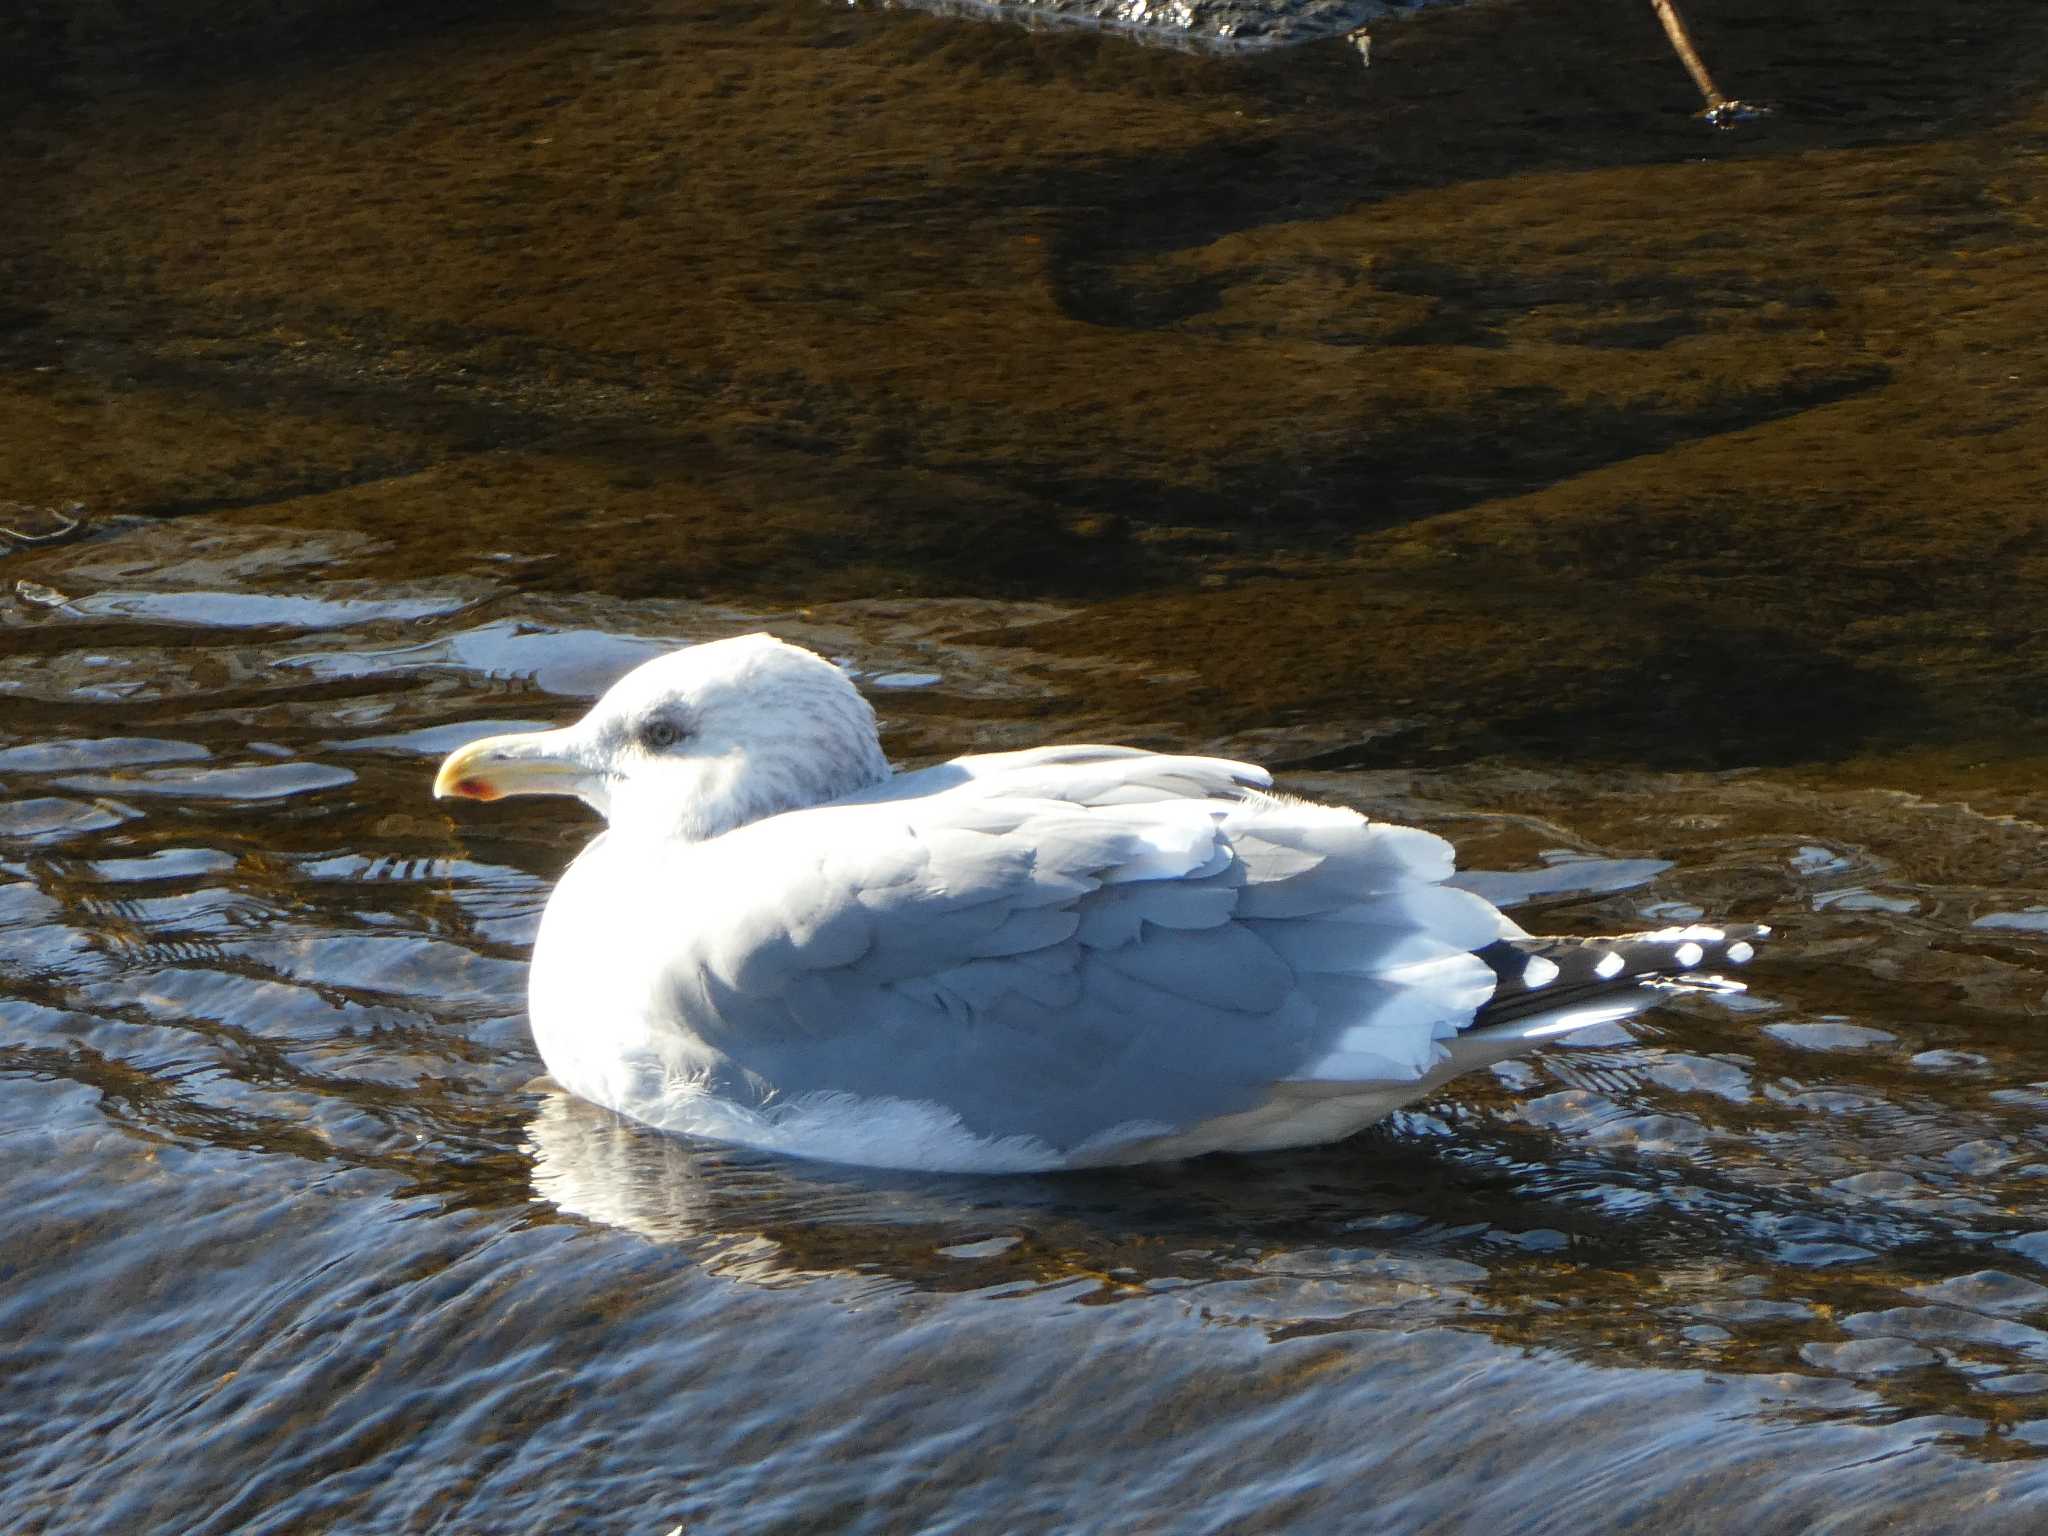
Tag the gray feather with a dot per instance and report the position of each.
(1057, 960)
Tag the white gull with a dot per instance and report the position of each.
(1055, 958)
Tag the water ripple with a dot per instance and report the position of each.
(295, 1239)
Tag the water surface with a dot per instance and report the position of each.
(299, 1244)
(1654, 511)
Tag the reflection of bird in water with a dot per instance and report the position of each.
(587, 1162)
(1054, 958)
(768, 1220)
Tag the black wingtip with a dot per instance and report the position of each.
(1542, 975)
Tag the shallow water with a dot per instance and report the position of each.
(297, 1244)
(1653, 510)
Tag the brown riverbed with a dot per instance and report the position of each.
(1480, 436)
(1489, 362)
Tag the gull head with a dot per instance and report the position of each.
(693, 744)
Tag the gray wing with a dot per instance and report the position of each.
(1075, 949)
(1080, 775)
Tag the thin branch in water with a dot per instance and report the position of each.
(1681, 41)
(1719, 110)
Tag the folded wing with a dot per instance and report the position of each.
(1075, 945)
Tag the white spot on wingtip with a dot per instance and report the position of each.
(1689, 955)
(1539, 972)
(1739, 952)
(1611, 965)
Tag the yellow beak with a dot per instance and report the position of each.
(534, 763)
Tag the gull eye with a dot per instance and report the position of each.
(659, 735)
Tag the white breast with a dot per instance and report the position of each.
(591, 991)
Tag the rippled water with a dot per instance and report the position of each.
(296, 1243)
(373, 376)
(1221, 24)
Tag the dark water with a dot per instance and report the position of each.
(1653, 510)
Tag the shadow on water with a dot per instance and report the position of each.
(1491, 349)
(53, 49)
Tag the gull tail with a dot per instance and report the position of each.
(1547, 988)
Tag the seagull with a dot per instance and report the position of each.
(1062, 957)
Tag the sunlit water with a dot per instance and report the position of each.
(1219, 24)
(617, 298)
(295, 1242)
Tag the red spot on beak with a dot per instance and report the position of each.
(475, 789)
